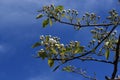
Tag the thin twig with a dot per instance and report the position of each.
(97, 60)
(91, 51)
(85, 25)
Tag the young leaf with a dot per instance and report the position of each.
(50, 62)
(53, 51)
(46, 38)
(59, 8)
(39, 16)
(36, 44)
(107, 53)
(67, 68)
(43, 55)
(63, 15)
(76, 50)
(79, 49)
(50, 21)
(45, 23)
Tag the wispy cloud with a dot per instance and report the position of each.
(55, 76)
(44, 76)
(17, 11)
(6, 50)
(2, 49)
(41, 78)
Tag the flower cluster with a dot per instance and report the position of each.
(52, 11)
(114, 17)
(99, 34)
(90, 18)
(53, 49)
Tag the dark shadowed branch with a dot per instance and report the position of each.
(85, 25)
(91, 51)
(96, 60)
(116, 59)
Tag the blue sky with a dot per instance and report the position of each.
(19, 30)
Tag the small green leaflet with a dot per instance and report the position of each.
(107, 53)
(67, 68)
(53, 51)
(50, 62)
(45, 23)
(46, 38)
(79, 49)
(60, 7)
(43, 55)
(39, 16)
(63, 15)
(50, 21)
(36, 44)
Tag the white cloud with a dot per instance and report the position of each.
(6, 50)
(58, 75)
(44, 76)
(15, 9)
(43, 2)
(41, 78)
(2, 49)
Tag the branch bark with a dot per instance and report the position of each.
(116, 59)
(85, 25)
(97, 60)
(91, 51)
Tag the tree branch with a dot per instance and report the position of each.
(89, 59)
(85, 25)
(97, 60)
(91, 51)
(116, 59)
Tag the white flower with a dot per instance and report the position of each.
(42, 42)
(51, 40)
(64, 11)
(41, 37)
(76, 41)
(41, 50)
(93, 40)
(62, 45)
(106, 43)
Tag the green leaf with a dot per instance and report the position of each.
(76, 50)
(50, 62)
(63, 50)
(68, 49)
(67, 68)
(53, 51)
(39, 16)
(45, 23)
(107, 53)
(63, 15)
(47, 38)
(50, 21)
(77, 44)
(60, 7)
(68, 17)
(43, 55)
(79, 49)
(36, 44)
